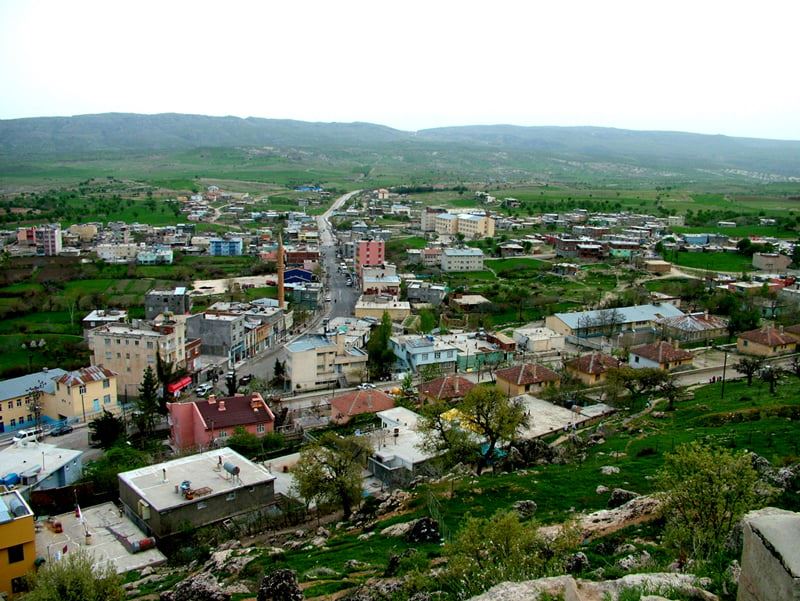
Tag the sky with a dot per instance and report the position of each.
(702, 66)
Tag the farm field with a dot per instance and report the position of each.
(730, 262)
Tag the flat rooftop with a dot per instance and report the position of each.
(545, 417)
(36, 457)
(112, 533)
(201, 470)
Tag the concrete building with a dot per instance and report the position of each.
(448, 388)
(17, 544)
(538, 339)
(16, 410)
(446, 224)
(526, 378)
(37, 466)
(370, 253)
(772, 262)
(415, 352)
(657, 266)
(155, 256)
(86, 232)
(376, 306)
(82, 395)
(317, 361)
(431, 257)
(661, 355)
(194, 491)
(48, 239)
(197, 424)
(475, 226)
(380, 280)
(428, 218)
(766, 342)
(608, 322)
(357, 402)
(462, 259)
(117, 252)
(100, 317)
(129, 349)
(693, 327)
(221, 247)
(222, 334)
(177, 301)
(398, 456)
(591, 369)
(425, 293)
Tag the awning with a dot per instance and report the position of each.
(176, 387)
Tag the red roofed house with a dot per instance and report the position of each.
(446, 388)
(198, 423)
(591, 369)
(528, 377)
(350, 404)
(662, 355)
(766, 342)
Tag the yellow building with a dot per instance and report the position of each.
(766, 342)
(83, 394)
(17, 543)
(527, 378)
(16, 395)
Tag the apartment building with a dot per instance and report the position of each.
(428, 218)
(316, 361)
(415, 352)
(177, 302)
(15, 398)
(462, 259)
(83, 395)
(475, 226)
(48, 239)
(222, 334)
(17, 544)
(370, 253)
(220, 247)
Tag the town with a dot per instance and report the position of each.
(171, 388)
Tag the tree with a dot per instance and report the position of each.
(772, 375)
(705, 492)
(106, 430)
(486, 552)
(636, 381)
(442, 437)
(429, 372)
(381, 356)
(102, 472)
(76, 576)
(279, 375)
(329, 470)
(165, 371)
(749, 366)
(671, 391)
(147, 404)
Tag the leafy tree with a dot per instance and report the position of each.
(636, 381)
(445, 439)
(106, 430)
(279, 375)
(102, 472)
(749, 366)
(772, 375)
(671, 391)
(147, 405)
(75, 577)
(431, 371)
(381, 356)
(329, 470)
(705, 492)
(486, 552)
(165, 372)
(250, 445)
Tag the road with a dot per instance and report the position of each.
(78, 440)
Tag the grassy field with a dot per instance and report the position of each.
(739, 231)
(516, 263)
(731, 262)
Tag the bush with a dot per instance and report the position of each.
(76, 577)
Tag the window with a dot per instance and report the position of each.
(149, 344)
(109, 355)
(106, 383)
(82, 389)
(202, 505)
(21, 420)
(19, 584)
(10, 404)
(119, 341)
(19, 402)
(107, 341)
(231, 496)
(260, 428)
(635, 359)
(107, 399)
(223, 434)
(135, 343)
(13, 422)
(119, 356)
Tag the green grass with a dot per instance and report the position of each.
(731, 262)
(261, 292)
(512, 264)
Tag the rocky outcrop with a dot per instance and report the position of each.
(280, 585)
(424, 530)
(200, 587)
(620, 496)
(525, 508)
(572, 589)
(601, 523)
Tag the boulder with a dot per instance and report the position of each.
(146, 571)
(198, 587)
(576, 563)
(323, 532)
(625, 549)
(398, 530)
(320, 573)
(620, 496)
(424, 530)
(230, 560)
(601, 490)
(354, 565)
(525, 508)
(630, 562)
(318, 541)
(376, 589)
(280, 585)
(606, 521)
(608, 470)
(366, 535)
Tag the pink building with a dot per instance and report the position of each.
(370, 253)
(198, 423)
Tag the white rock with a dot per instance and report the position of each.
(608, 470)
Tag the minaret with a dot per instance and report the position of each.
(281, 302)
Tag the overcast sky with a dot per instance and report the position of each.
(704, 66)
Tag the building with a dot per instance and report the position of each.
(306, 296)
(428, 218)
(662, 355)
(17, 543)
(195, 491)
(537, 339)
(591, 369)
(469, 303)
(462, 259)
(398, 456)
(607, 322)
(124, 252)
(197, 424)
(222, 334)
(425, 293)
(82, 395)
(32, 466)
(657, 267)
(221, 247)
(175, 302)
(86, 232)
(766, 342)
(473, 227)
(154, 256)
(772, 262)
(526, 378)
(346, 406)
(16, 398)
(448, 388)
(415, 352)
(100, 317)
(376, 306)
(370, 253)
(316, 361)
(129, 349)
(380, 280)
(431, 257)
(48, 239)
(693, 327)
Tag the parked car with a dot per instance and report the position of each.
(29, 435)
(203, 389)
(246, 379)
(366, 386)
(61, 430)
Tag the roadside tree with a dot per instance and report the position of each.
(749, 366)
(107, 430)
(147, 405)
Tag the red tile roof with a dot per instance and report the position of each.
(234, 411)
(446, 388)
(357, 402)
(593, 363)
(768, 336)
(661, 352)
(528, 373)
(94, 373)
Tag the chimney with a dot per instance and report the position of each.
(675, 344)
(212, 399)
(221, 405)
(164, 475)
(280, 268)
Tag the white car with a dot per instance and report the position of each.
(203, 389)
(327, 298)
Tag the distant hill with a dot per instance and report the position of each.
(500, 147)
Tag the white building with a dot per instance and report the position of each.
(462, 259)
(538, 339)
